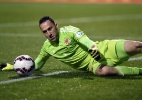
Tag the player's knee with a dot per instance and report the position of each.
(106, 71)
(137, 47)
(138, 44)
(133, 47)
(102, 71)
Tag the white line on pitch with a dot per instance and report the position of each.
(48, 74)
(78, 20)
(37, 35)
(132, 59)
(32, 77)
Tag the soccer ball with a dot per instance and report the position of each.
(24, 65)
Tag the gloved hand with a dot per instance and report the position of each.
(6, 67)
(95, 53)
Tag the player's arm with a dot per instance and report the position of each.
(40, 61)
(92, 47)
(41, 58)
(81, 37)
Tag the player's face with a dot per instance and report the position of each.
(50, 30)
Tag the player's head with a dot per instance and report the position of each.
(45, 18)
(49, 28)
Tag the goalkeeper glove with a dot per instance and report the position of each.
(95, 53)
(6, 67)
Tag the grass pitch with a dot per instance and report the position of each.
(20, 34)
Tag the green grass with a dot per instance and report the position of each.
(20, 34)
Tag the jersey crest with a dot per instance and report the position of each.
(67, 41)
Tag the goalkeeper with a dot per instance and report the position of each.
(70, 45)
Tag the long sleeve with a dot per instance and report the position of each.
(42, 57)
(39, 62)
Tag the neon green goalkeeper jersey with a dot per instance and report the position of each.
(72, 48)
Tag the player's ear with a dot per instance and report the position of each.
(56, 24)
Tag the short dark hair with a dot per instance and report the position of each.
(45, 18)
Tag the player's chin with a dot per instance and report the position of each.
(53, 39)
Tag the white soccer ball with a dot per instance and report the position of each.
(24, 65)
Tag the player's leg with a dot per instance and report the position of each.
(105, 70)
(133, 47)
(105, 66)
(122, 55)
(102, 69)
(124, 50)
(125, 70)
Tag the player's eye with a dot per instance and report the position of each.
(49, 29)
(44, 31)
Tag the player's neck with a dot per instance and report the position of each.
(55, 42)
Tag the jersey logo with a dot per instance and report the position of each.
(67, 41)
(79, 34)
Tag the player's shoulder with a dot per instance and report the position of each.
(46, 42)
(69, 28)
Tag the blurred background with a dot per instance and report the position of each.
(79, 1)
(99, 19)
